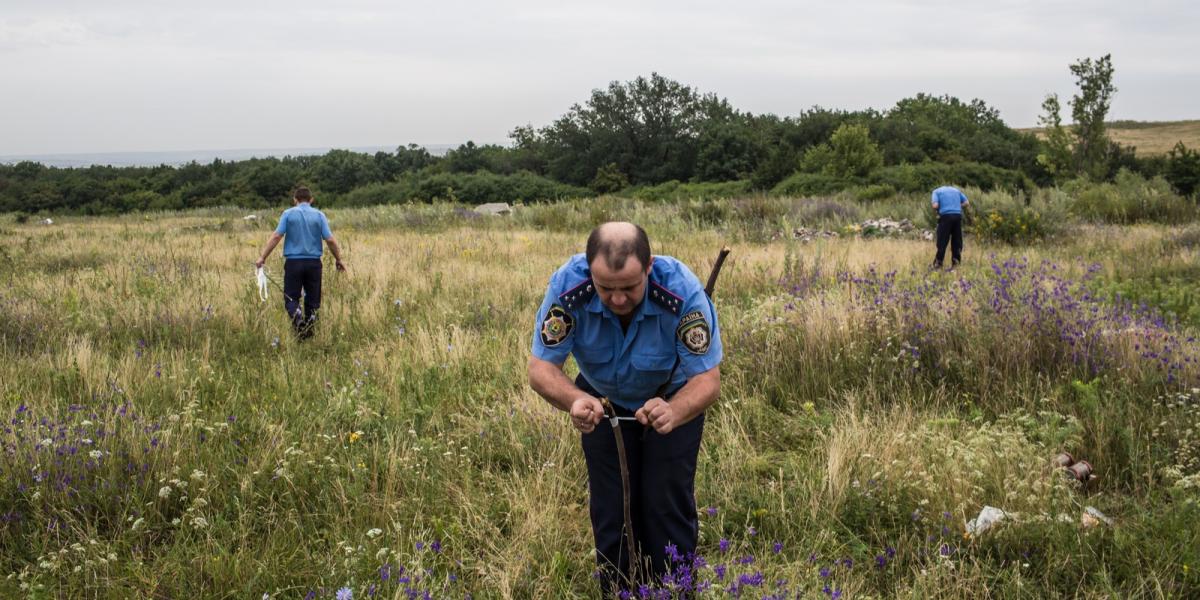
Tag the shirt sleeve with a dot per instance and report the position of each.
(282, 227)
(326, 233)
(554, 329)
(698, 336)
(962, 198)
(933, 199)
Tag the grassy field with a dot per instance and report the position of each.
(1153, 138)
(166, 437)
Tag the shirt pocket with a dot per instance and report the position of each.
(652, 367)
(592, 358)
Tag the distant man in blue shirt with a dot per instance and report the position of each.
(949, 202)
(627, 317)
(302, 228)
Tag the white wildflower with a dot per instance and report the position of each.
(374, 533)
(164, 491)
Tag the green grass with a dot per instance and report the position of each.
(869, 408)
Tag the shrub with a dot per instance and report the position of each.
(877, 191)
(675, 190)
(813, 212)
(609, 179)
(706, 212)
(924, 177)
(1003, 217)
(1131, 198)
(811, 184)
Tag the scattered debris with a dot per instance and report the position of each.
(1081, 471)
(871, 227)
(47, 221)
(988, 517)
(886, 226)
(1092, 517)
(805, 234)
(494, 208)
(250, 218)
(1064, 460)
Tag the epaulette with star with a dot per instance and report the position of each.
(578, 295)
(664, 298)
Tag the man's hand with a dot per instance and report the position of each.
(259, 263)
(340, 265)
(586, 412)
(660, 415)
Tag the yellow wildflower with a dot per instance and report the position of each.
(354, 435)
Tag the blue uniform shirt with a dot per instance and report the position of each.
(949, 200)
(303, 228)
(675, 319)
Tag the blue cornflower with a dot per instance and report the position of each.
(673, 553)
(723, 545)
(777, 547)
(712, 511)
(345, 594)
(436, 546)
(824, 572)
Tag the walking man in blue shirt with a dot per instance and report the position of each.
(302, 228)
(949, 202)
(645, 336)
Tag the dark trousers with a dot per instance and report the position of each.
(302, 274)
(662, 477)
(949, 229)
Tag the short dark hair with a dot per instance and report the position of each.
(616, 249)
(302, 193)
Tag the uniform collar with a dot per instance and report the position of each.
(646, 308)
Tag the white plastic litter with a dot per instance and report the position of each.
(261, 276)
(988, 517)
(1092, 517)
(250, 218)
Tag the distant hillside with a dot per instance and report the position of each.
(1155, 138)
(1151, 138)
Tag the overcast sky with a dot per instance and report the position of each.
(108, 76)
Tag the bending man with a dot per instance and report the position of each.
(632, 320)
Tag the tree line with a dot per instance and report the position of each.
(646, 132)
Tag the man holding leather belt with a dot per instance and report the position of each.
(644, 334)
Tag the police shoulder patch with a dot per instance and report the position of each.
(556, 326)
(694, 332)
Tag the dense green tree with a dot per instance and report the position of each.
(270, 180)
(1089, 107)
(850, 153)
(1056, 155)
(340, 171)
(1183, 169)
(648, 127)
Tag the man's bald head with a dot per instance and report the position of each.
(615, 242)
